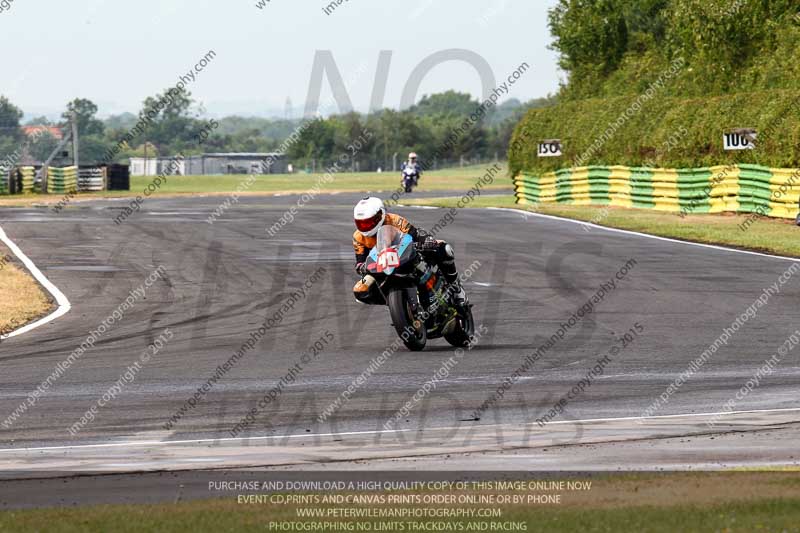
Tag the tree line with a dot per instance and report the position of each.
(425, 128)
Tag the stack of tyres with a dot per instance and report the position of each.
(119, 177)
(27, 176)
(91, 179)
(14, 186)
(13, 181)
(62, 180)
(5, 180)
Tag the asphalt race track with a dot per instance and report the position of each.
(223, 280)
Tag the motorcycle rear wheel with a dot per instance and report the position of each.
(460, 337)
(403, 319)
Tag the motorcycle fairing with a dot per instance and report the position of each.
(403, 250)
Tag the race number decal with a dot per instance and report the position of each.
(388, 259)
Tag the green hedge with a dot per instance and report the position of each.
(667, 132)
(730, 46)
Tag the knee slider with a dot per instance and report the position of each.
(447, 252)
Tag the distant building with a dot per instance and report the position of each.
(211, 164)
(236, 163)
(153, 166)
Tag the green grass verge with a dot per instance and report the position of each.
(764, 235)
(457, 179)
(450, 179)
(769, 515)
(722, 501)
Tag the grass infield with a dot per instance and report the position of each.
(768, 235)
(722, 501)
(22, 300)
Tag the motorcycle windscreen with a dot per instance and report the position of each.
(392, 250)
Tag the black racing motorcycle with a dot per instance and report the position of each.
(421, 303)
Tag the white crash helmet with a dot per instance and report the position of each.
(369, 215)
(412, 155)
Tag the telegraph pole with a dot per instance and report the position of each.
(74, 120)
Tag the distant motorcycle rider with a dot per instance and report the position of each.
(412, 164)
(370, 214)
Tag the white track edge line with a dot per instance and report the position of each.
(63, 303)
(647, 235)
(373, 432)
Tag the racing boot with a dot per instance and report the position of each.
(450, 273)
(459, 295)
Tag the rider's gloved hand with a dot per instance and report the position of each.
(361, 269)
(428, 244)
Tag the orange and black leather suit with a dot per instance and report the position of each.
(363, 244)
(439, 252)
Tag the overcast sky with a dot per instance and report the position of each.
(118, 52)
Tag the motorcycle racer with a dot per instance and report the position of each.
(414, 166)
(370, 214)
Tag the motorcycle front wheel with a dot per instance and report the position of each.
(411, 330)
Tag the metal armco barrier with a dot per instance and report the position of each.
(772, 192)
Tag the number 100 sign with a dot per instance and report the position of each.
(741, 139)
(551, 148)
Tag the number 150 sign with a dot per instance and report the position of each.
(551, 148)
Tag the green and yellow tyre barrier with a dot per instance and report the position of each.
(26, 179)
(773, 192)
(62, 180)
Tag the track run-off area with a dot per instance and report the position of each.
(219, 345)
